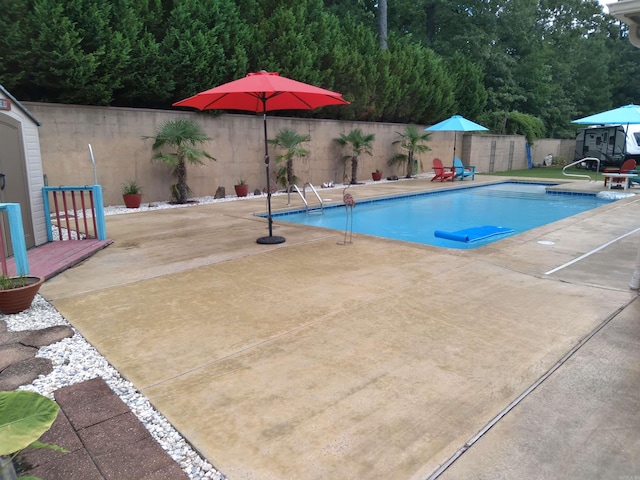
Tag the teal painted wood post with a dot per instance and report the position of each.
(99, 212)
(17, 237)
(47, 213)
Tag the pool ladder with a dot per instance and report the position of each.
(303, 196)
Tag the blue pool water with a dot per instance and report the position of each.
(415, 218)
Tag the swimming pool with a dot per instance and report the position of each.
(414, 218)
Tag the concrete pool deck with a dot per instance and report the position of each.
(315, 360)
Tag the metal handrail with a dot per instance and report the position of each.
(315, 192)
(578, 174)
(306, 205)
(303, 195)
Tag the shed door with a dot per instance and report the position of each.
(13, 166)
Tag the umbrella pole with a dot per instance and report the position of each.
(271, 239)
(455, 140)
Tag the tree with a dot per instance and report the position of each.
(290, 141)
(148, 80)
(382, 23)
(14, 45)
(62, 70)
(516, 123)
(205, 45)
(358, 143)
(411, 141)
(414, 83)
(183, 136)
(469, 91)
(356, 65)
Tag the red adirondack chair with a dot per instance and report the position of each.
(442, 172)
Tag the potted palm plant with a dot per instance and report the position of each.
(290, 141)
(183, 136)
(411, 141)
(132, 194)
(358, 143)
(17, 293)
(241, 188)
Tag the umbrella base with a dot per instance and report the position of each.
(271, 240)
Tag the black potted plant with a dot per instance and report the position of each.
(132, 194)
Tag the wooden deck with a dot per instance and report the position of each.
(51, 258)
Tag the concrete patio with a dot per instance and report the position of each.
(379, 359)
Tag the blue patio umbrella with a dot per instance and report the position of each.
(456, 124)
(621, 115)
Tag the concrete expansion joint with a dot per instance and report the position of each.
(444, 466)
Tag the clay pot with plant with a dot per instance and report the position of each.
(17, 293)
(132, 194)
(376, 175)
(241, 188)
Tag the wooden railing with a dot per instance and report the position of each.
(78, 212)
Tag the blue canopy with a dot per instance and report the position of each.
(457, 123)
(627, 114)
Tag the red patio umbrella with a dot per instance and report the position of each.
(262, 92)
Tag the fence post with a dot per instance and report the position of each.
(47, 213)
(99, 212)
(17, 237)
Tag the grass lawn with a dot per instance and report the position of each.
(547, 172)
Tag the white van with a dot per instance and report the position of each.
(612, 144)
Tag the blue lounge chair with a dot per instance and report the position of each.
(463, 171)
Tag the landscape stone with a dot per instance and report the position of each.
(47, 336)
(7, 338)
(24, 372)
(15, 353)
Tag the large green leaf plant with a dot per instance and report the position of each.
(24, 417)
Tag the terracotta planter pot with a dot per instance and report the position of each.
(241, 190)
(132, 200)
(15, 300)
(377, 176)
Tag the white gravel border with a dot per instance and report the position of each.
(75, 360)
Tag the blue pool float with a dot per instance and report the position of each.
(473, 234)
